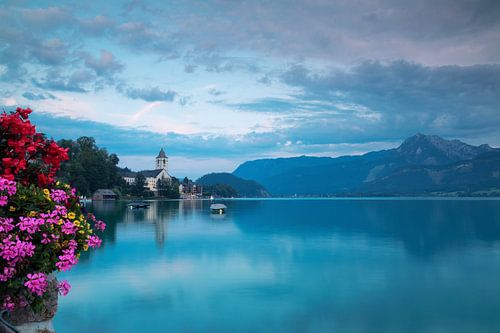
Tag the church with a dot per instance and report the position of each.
(152, 176)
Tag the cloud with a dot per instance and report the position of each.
(51, 52)
(106, 65)
(76, 82)
(216, 92)
(407, 97)
(36, 97)
(149, 94)
(97, 26)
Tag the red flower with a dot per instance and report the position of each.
(28, 156)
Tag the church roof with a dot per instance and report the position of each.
(161, 154)
(151, 173)
(129, 174)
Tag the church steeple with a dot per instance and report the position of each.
(161, 161)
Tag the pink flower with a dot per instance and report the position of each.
(94, 241)
(30, 224)
(6, 224)
(99, 225)
(68, 228)
(8, 304)
(8, 273)
(3, 200)
(72, 245)
(37, 283)
(67, 260)
(8, 185)
(45, 240)
(60, 210)
(59, 196)
(64, 287)
(13, 251)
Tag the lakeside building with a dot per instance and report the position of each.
(190, 190)
(104, 194)
(152, 176)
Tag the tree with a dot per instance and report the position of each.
(90, 168)
(138, 188)
(168, 188)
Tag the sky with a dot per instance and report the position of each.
(217, 83)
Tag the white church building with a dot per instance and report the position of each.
(152, 176)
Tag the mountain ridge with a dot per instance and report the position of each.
(346, 175)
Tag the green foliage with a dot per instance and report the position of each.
(138, 188)
(168, 189)
(220, 190)
(90, 168)
(243, 187)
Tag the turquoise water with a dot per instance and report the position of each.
(291, 266)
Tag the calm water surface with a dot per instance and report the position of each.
(290, 266)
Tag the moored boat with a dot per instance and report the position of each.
(218, 208)
(138, 204)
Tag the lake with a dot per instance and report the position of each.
(296, 265)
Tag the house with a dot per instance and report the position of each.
(152, 176)
(189, 190)
(104, 194)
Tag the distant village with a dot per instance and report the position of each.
(159, 175)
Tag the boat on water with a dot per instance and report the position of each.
(138, 204)
(218, 208)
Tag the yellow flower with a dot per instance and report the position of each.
(77, 223)
(58, 182)
(71, 215)
(67, 186)
(85, 247)
(12, 209)
(32, 213)
(60, 222)
(46, 191)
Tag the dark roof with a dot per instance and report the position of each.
(129, 174)
(161, 154)
(151, 173)
(104, 191)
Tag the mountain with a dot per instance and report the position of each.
(477, 176)
(243, 187)
(379, 172)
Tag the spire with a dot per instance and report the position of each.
(161, 154)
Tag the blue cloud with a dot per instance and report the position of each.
(150, 94)
(37, 97)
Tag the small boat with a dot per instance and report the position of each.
(138, 204)
(218, 208)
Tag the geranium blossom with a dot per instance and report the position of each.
(64, 287)
(6, 224)
(94, 241)
(37, 283)
(58, 196)
(42, 226)
(30, 224)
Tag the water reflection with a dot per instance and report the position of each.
(424, 227)
(290, 266)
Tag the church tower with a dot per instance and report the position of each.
(161, 161)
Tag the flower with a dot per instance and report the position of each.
(42, 226)
(94, 241)
(8, 304)
(64, 287)
(37, 283)
(58, 196)
(99, 225)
